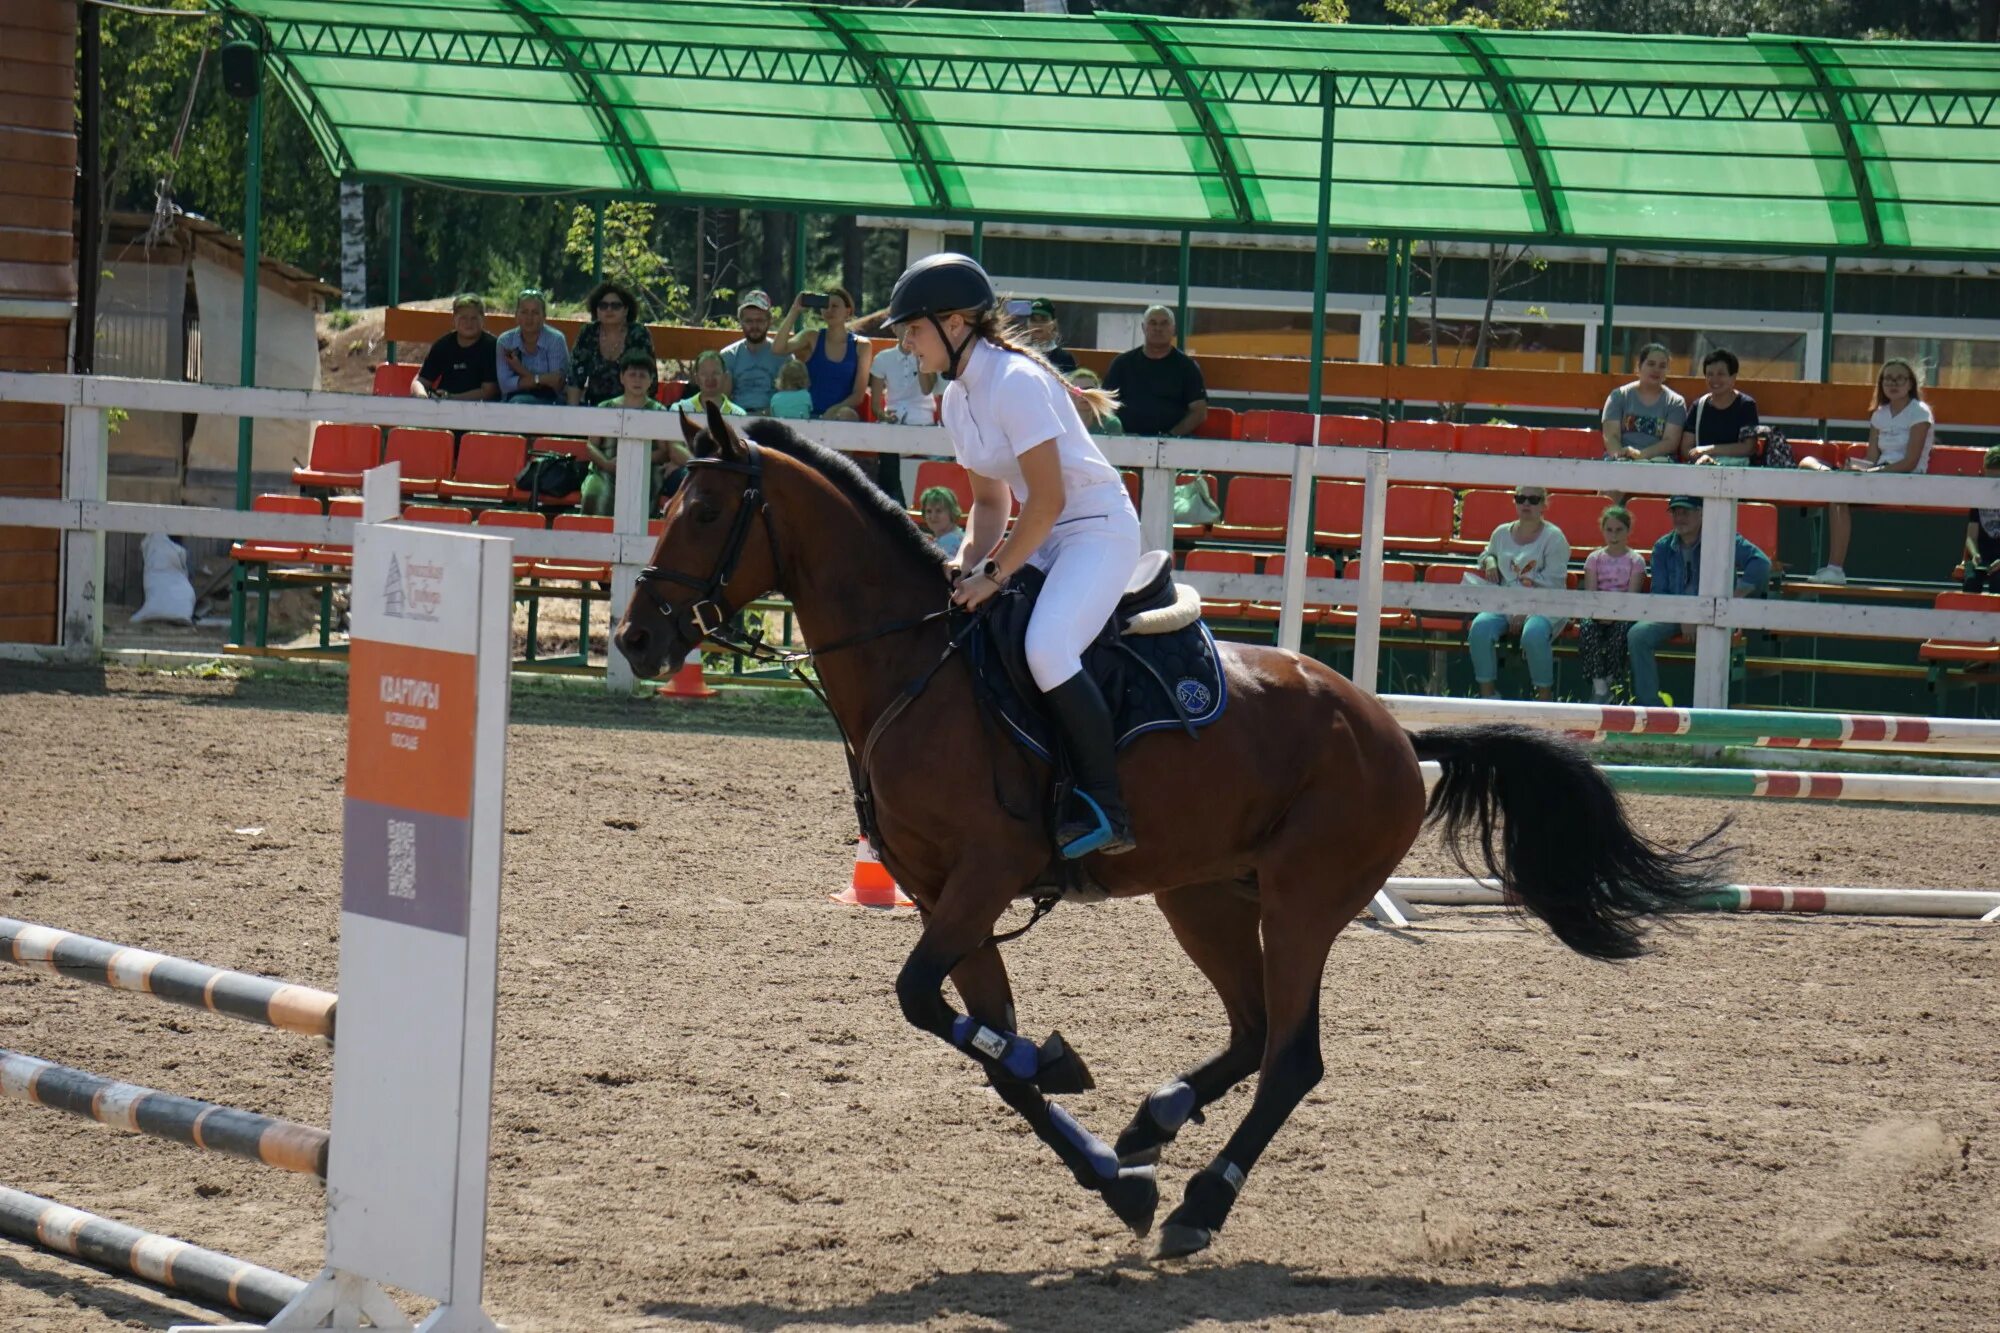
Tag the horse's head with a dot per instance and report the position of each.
(709, 563)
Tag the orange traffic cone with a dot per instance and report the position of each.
(872, 885)
(687, 683)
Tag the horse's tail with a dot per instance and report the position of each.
(1566, 851)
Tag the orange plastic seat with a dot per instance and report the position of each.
(1511, 441)
(1337, 514)
(1650, 520)
(447, 516)
(1759, 522)
(1219, 424)
(486, 468)
(256, 552)
(1254, 509)
(515, 518)
(340, 453)
(1317, 567)
(1833, 453)
(337, 557)
(1957, 650)
(1569, 442)
(1478, 515)
(1577, 516)
(1433, 435)
(1221, 562)
(1351, 432)
(393, 379)
(1393, 617)
(1277, 427)
(572, 569)
(425, 456)
(1444, 622)
(1417, 518)
(1947, 460)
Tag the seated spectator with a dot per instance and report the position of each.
(636, 374)
(1677, 572)
(1612, 567)
(1722, 424)
(1045, 335)
(792, 399)
(1644, 420)
(1899, 440)
(710, 377)
(943, 518)
(1084, 379)
(835, 357)
(533, 358)
(1982, 537)
(1530, 552)
(461, 364)
(596, 362)
(1160, 389)
(902, 392)
(753, 361)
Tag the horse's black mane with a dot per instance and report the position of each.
(850, 481)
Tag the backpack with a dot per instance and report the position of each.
(550, 476)
(1772, 449)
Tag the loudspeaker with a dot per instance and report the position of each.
(242, 70)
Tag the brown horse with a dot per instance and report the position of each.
(1259, 839)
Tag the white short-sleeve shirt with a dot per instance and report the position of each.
(902, 388)
(1004, 405)
(1892, 431)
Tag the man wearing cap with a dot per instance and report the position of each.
(1046, 336)
(1677, 572)
(464, 363)
(752, 362)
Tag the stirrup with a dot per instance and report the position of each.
(1099, 836)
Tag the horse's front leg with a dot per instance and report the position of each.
(981, 981)
(954, 944)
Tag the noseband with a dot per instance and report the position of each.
(710, 611)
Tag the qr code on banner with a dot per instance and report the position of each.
(402, 859)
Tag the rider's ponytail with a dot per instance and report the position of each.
(1094, 405)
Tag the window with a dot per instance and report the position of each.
(1954, 363)
(1766, 354)
(1278, 333)
(1511, 345)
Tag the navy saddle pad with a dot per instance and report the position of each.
(1143, 676)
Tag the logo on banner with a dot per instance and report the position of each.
(414, 591)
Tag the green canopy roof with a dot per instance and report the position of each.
(1766, 143)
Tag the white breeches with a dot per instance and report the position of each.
(1089, 559)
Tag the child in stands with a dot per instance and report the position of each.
(943, 518)
(792, 401)
(1612, 567)
(1982, 537)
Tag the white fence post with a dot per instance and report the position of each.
(1156, 505)
(86, 449)
(1718, 585)
(1298, 545)
(1368, 611)
(628, 510)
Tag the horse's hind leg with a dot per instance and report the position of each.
(1216, 925)
(1301, 915)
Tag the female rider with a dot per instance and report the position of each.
(1014, 426)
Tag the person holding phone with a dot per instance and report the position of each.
(836, 360)
(1017, 427)
(1043, 331)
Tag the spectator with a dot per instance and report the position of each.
(1899, 440)
(1159, 387)
(792, 399)
(1677, 572)
(753, 361)
(1722, 424)
(1612, 567)
(533, 358)
(1530, 552)
(902, 391)
(1982, 536)
(943, 518)
(1045, 335)
(636, 376)
(711, 380)
(836, 359)
(596, 362)
(461, 364)
(1084, 379)
(1643, 420)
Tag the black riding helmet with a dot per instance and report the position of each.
(938, 285)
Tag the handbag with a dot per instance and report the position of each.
(1193, 505)
(1772, 449)
(551, 475)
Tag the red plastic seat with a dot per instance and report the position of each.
(486, 468)
(340, 454)
(1480, 513)
(1351, 432)
(448, 516)
(1219, 424)
(393, 379)
(1337, 514)
(1958, 650)
(1650, 520)
(1830, 452)
(257, 552)
(1948, 460)
(425, 456)
(572, 569)
(1577, 516)
(1433, 435)
(1444, 622)
(1221, 562)
(1759, 522)
(1254, 509)
(515, 518)
(1511, 441)
(1569, 442)
(337, 557)
(1417, 518)
(1393, 617)
(1277, 427)
(1317, 567)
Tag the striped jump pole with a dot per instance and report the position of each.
(204, 1275)
(255, 999)
(139, 1110)
(1967, 903)
(1766, 784)
(1710, 726)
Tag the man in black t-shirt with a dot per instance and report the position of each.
(465, 363)
(1722, 423)
(1159, 387)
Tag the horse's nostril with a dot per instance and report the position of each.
(633, 640)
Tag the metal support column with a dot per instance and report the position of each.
(1610, 311)
(800, 267)
(395, 293)
(596, 247)
(1826, 333)
(1403, 302)
(978, 241)
(253, 209)
(1298, 535)
(1180, 301)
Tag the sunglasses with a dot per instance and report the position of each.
(610, 305)
(1521, 499)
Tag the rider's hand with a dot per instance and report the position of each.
(973, 589)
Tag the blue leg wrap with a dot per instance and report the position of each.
(1017, 1055)
(1102, 1159)
(1097, 837)
(1171, 1106)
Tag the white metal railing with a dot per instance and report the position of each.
(84, 514)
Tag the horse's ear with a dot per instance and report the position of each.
(689, 431)
(725, 438)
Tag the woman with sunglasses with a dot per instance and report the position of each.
(614, 330)
(1527, 553)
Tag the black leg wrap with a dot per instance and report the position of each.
(1157, 1121)
(1204, 1208)
(1062, 1069)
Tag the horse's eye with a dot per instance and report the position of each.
(707, 513)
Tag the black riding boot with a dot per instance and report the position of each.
(1103, 825)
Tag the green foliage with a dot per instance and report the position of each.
(631, 256)
(1526, 15)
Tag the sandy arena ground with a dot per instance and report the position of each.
(710, 1114)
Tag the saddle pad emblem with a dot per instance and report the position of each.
(1194, 696)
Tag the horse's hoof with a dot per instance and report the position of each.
(1061, 1070)
(1134, 1195)
(1177, 1241)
